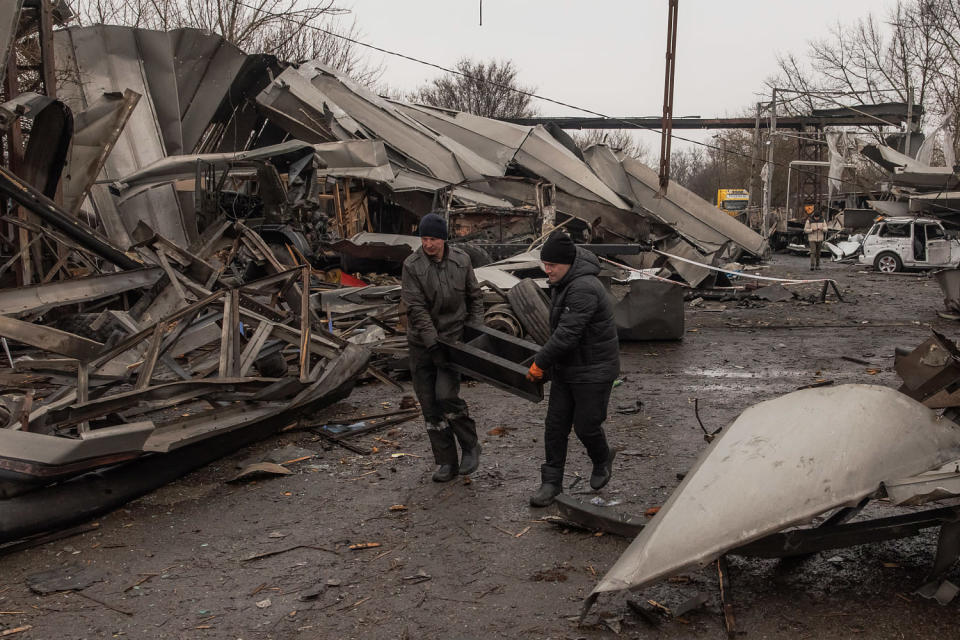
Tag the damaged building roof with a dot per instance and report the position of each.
(201, 95)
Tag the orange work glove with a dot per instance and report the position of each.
(535, 374)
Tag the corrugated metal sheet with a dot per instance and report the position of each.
(183, 76)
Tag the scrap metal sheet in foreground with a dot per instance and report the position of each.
(779, 464)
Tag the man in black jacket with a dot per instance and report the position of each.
(441, 295)
(583, 359)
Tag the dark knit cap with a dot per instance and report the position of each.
(558, 248)
(433, 226)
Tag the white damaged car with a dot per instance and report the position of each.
(893, 244)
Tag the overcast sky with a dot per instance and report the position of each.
(608, 55)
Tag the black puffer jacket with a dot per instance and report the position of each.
(583, 345)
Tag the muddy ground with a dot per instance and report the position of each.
(473, 560)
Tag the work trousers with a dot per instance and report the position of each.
(438, 391)
(815, 247)
(583, 407)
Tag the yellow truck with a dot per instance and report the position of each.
(733, 201)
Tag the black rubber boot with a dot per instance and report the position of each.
(470, 460)
(444, 453)
(465, 430)
(602, 472)
(545, 495)
(551, 486)
(445, 473)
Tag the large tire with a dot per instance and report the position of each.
(532, 309)
(479, 257)
(887, 262)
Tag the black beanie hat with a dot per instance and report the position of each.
(433, 226)
(558, 248)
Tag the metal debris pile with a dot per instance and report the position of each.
(179, 230)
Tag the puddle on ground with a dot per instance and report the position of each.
(731, 372)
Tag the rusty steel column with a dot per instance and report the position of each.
(666, 125)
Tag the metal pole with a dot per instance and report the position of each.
(754, 158)
(906, 145)
(768, 183)
(789, 175)
(666, 124)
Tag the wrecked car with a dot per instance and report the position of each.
(893, 244)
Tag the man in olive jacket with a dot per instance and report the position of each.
(441, 295)
(583, 359)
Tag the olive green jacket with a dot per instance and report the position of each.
(440, 297)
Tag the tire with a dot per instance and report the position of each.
(887, 262)
(479, 257)
(532, 309)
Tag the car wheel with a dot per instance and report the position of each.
(888, 263)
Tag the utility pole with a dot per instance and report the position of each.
(666, 125)
(754, 158)
(768, 181)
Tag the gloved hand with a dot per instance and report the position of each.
(438, 355)
(535, 374)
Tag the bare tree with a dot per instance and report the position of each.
(873, 60)
(489, 89)
(942, 19)
(620, 140)
(287, 29)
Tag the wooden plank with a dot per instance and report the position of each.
(61, 262)
(291, 336)
(138, 337)
(182, 325)
(83, 389)
(229, 336)
(49, 339)
(23, 255)
(198, 268)
(150, 358)
(305, 327)
(171, 275)
(252, 350)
